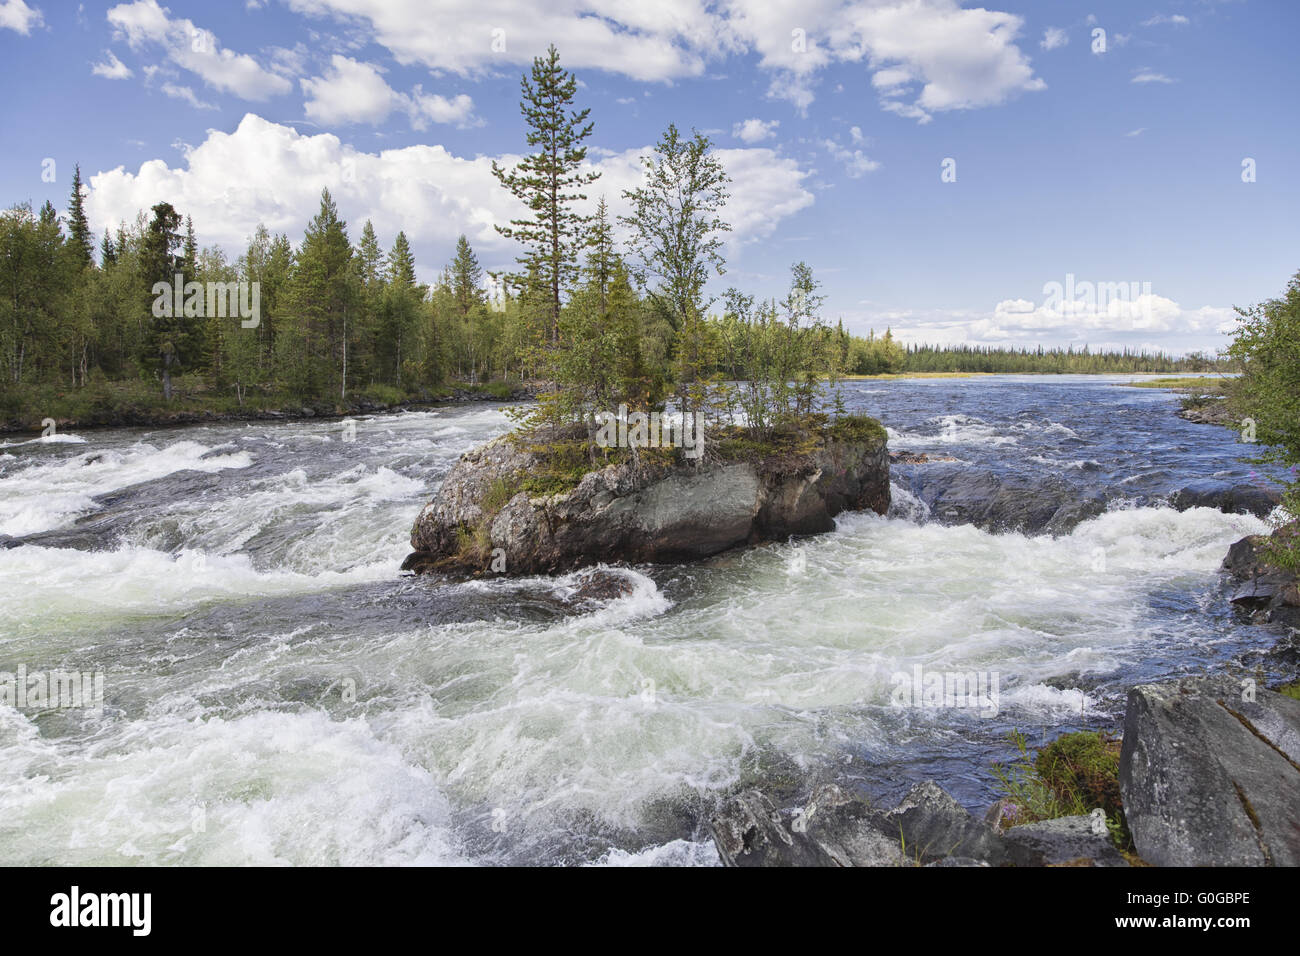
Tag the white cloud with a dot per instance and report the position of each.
(1136, 132)
(355, 92)
(112, 68)
(646, 41)
(755, 130)
(1054, 37)
(185, 93)
(144, 23)
(855, 132)
(856, 163)
(1147, 76)
(1145, 321)
(18, 16)
(942, 56)
(1176, 19)
(266, 172)
(349, 92)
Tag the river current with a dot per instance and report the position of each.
(277, 692)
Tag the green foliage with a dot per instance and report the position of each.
(1073, 775)
(1267, 395)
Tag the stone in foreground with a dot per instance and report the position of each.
(1210, 777)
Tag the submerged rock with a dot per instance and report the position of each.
(1210, 774)
(1000, 503)
(651, 513)
(1230, 499)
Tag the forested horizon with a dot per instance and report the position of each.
(343, 317)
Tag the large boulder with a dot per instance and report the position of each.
(1210, 774)
(482, 520)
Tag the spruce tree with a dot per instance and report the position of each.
(107, 251)
(548, 181)
(80, 243)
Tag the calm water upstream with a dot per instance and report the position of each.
(276, 692)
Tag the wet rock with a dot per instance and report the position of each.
(830, 831)
(1260, 585)
(1006, 503)
(916, 458)
(1234, 499)
(1208, 410)
(932, 824)
(1210, 777)
(927, 828)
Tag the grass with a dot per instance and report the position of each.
(1206, 384)
(562, 461)
(1291, 690)
(1073, 775)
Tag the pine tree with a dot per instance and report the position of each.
(189, 264)
(401, 311)
(107, 251)
(601, 260)
(547, 182)
(466, 277)
(370, 259)
(80, 242)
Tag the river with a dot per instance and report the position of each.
(276, 692)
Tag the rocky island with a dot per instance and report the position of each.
(503, 508)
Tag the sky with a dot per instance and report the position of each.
(1117, 173)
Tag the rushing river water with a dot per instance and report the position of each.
(277, 692)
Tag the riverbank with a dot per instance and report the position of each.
(138, 405)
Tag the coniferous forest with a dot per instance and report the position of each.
(344, 320)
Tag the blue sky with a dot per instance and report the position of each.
(834, 118)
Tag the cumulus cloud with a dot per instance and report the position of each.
(754, 130)
(266, 172)
(1102, 315)
(355, 92)
(112, 68)
(938, 54)
(144, 24)
(18, 16)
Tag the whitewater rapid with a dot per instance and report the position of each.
(277, 693)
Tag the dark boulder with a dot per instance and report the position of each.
(1260, 585)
